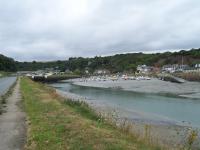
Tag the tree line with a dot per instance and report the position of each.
(7, 64)
(117, 63)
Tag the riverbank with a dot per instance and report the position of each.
(55, 122)
(156, 86)
(3, 74)
(159, 132)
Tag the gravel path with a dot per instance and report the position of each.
(12, 123)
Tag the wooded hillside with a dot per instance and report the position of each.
(7, 64)
(116, 63)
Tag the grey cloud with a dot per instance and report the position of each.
(58, 29)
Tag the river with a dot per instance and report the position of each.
(5, 84)
(145, 107)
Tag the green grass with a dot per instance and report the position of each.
(4, 74)
(56, 124)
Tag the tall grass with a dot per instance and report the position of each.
(102, 121)
(58, 123)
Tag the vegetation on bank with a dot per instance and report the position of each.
(4, 74)
(117, 63)
(56, 123)
(7, 64)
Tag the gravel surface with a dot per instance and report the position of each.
(12, 123)
(188, 89)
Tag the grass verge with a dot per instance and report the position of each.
(56, 123)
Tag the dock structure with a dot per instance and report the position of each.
(53, 78)
(171, 78)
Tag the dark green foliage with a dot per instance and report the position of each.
(117, 63)
(129, 62)
(7, 64)
(33, 66)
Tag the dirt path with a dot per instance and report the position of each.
(12, 123)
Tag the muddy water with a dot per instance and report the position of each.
(5, 83)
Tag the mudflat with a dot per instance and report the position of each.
(187, 89)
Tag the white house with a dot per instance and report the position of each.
(144, 68)
(102, 71)
(174, 68)
(170, 68)
(197, 66)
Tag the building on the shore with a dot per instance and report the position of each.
(197, 66)
(169, 68)
(87, 70)
(144, 69)
(175, 68)
(101, 72)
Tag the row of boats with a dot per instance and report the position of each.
(115, 78)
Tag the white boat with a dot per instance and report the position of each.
(114, 78)
(132, 78)
(147, 78)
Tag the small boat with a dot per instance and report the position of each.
(147, 78)
(114, 78)
(132, 78)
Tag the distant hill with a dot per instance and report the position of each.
(7, 64)
(116, 63)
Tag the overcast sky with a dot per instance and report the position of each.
(58, 29)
